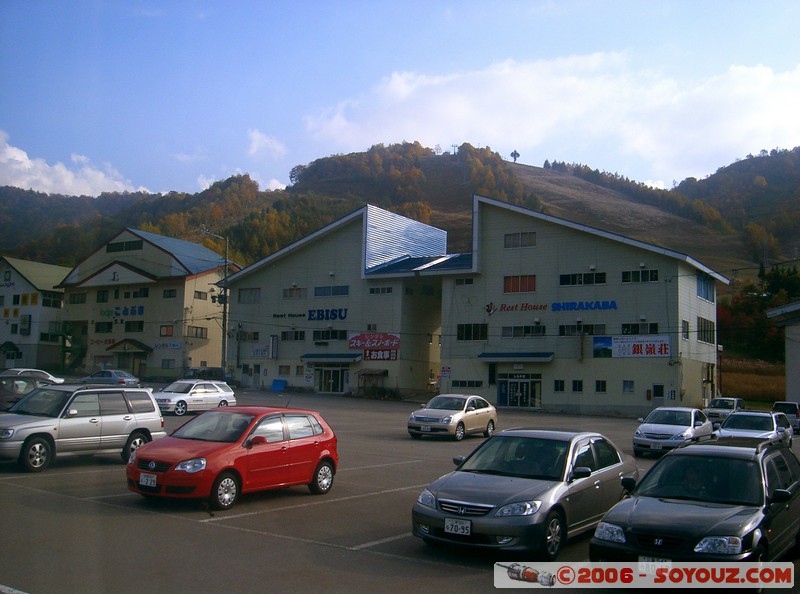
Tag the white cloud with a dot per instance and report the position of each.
(262, 144)
(597, 109)
(82, 179)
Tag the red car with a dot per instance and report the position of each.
(238, 449)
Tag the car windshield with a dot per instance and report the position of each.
(215, 426)
(749, 422)
(447, 403)
(716, 403)
(41, 403)
(670, 417)
(789, 408)
(526, 457)
(178, 387)
(713, 479)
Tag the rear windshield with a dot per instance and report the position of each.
(790, 408)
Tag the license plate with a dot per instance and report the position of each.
(650, 564)
(655, 446)
(425, 428)
(147, 480)
(454, 526)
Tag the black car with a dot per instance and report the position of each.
(730, 499)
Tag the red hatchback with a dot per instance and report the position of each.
(239, 449)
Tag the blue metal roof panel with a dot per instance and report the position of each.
(195, 257)
(389, 236)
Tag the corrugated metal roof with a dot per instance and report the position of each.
(42, 276)
(196, 258)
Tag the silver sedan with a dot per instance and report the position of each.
(454, 415)
(188, 395)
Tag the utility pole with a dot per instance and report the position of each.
(223, 299)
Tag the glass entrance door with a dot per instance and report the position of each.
(331, 380)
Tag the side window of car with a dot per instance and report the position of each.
(140, 401)
(271, 428)
(700, 417)
(299, 426)
(792, 464)
(778, 474)
(318, 430)
(584, 456)
(86, 405)
(113, 403)
(783, 421)
(606, 454)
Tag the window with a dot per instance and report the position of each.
(102, 296)
(271, 428)
(685, 329)
(86, 405)
(140, 293)
(464, 281)
(519, 284)
(293, 335)
(472, 332)
(558, 386)
(134, 326)
(580, 328)
(523, 331)
(75, 298)
(299, 370)
(466, 384)
(295, 293)
(706, 331)
(600, 386)
(640, 276)
(627, 386)
(250, 295)
(322, 335)
(167, 363)
(299, 426)
(124, 246)
(113, 403)
(606, 454)
(140, 401)
(170, 293)
(284, 370)
(580, 279)
(196, 332)
(520, 240)
(372, 327)
(166, 330)
(103, 327)
(380, 290)
(577, 385)
(643, 328)
(333, 291)
(705, 287)
(202, 295)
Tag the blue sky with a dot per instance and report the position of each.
(114, 95)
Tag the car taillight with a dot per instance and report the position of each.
(121, 381)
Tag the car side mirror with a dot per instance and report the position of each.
(258, 440)
(780, 496)
(628, 483)
(471, 407)
(73, 412)
(640, 419)
(458, 460)
(580, 472)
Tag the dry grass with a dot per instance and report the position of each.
(758, 382)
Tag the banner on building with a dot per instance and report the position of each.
(635, 346)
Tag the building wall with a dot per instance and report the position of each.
(793, 362)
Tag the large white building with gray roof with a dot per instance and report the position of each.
(543, 313)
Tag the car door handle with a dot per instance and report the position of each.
(597, 484)
(94, 420)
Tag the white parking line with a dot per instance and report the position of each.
(375, 543)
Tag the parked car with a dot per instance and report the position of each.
(524, 490)
(112, 376)
(719, 408)
(455, 415)
(72, 419)
(189, 395)
(731, 499)
(668, 427)
(13, 388)
(763, 425)
(225, 452)
(791, 410)
(40, 373)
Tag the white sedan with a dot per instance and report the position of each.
(763, 425)
(188, 395)
(38, 373)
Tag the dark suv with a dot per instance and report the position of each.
(730, 499)
(74, 419)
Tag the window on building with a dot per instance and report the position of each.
(167, 363)
(202, 295)
(519, 240)
(166, 330)
(293, 335)
(580, 328)
(74, 298)
(627, 386)
(472, 331)
(196, 332)
(523, 331)
(380, 290)
(102, 296)
(558, 385)
(600, 386)
(284, 369)
(640, 328)
(170, 293)
(15, 299)
(250, 295)
(372, 327)
(467, 383)
(582, 278)
(124, 246)
(299, 370)
(329, 334)
(332, 291)
(295, 293)
(134, 326)
(706, 287)
(577, 385)
(706, 331)
(51, 299)
(640, 276)
(685, 329)
(460, 282)
(103, 327)
(519, 284)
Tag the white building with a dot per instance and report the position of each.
(788, 316)
(30, 335)
(543, 313)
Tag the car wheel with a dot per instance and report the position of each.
(36, 454)
(323, 479)
(459, 434)
(180, 408)
(225, 491)
(553, 536)
(489, 429)
(223, 403)
(135, 441)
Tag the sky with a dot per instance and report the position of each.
(173, 95)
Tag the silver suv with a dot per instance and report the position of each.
(72, 419)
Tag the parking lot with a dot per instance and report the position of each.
(76, 527)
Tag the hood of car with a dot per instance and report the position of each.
(434, 413)
(13, 421)
(489, 489)
(746, 433)
(674, 516)
(173, 449)
(662, 429)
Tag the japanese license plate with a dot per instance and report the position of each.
(650, 564)
(147, 480)
(455, 526)
(655, 446)
(425, 428)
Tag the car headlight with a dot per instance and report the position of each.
(637, 433)
(447, 420)
(520, 508)
(682, 435)
(193, 465)
(609, 532)
(427, 499)
(132, 457)
(6, 433)
(725, 545)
